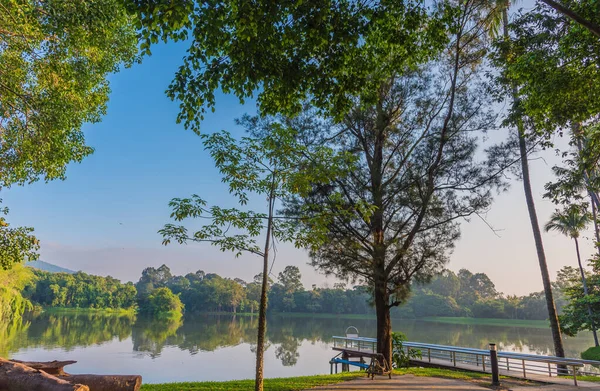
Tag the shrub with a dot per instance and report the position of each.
(401, 356)
(592, 353)
(163, 303)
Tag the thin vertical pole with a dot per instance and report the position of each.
(494, 362)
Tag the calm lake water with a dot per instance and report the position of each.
(214, 347)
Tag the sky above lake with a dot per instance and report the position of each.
(104, 218)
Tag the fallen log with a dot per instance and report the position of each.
(50, 367)
(106, 382)
(19, 377)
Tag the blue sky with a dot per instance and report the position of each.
(104, 218)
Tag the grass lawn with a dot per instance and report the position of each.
(492, 322)
(306, 382)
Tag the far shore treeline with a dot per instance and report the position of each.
(159, 293)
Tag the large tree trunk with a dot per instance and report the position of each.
(384, 325)
(535, 226)
(585, 292)
(19, 377)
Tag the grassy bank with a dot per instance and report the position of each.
(542, 324)
(451, 320)
(306, 382)
(110, 311)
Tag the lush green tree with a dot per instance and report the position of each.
(162, 303)
(265, 164)
(17, 245)
(416, 174)
(291, 279)
(510, 90)
(571, 222)
(81, 290)
(55, 57)
(576, 315)
(446, 284)
(286, 52)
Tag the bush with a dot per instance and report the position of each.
(163, 303)
(592, 353)
(401, 357)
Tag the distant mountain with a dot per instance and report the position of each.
(48, 267)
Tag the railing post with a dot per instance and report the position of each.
(549, 370)
(429, 353)
(454, 358)
(494, 362)
(483, 362)
(507, 365)
(575, 375)
(524, 371)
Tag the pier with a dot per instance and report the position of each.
(526, 366)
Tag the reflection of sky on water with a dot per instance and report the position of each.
(220, 348)
(175, 365)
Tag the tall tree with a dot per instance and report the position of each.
(516, 119)
(415, 141)
(571, 222)
(576, 315)
(55, 57)
(265, 164)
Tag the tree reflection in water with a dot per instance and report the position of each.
(206, 333)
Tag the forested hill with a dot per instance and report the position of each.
(48, 267)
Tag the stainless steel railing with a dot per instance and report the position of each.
(520, 363)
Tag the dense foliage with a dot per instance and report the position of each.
(80, 290)
(12, 284)
(464, 294)
(55, 57)
(162, 303)
(582, 311)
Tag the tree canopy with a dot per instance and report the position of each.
(55, 57)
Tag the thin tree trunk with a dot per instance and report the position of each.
(576, 129)
(595, 217)
(535, 226)
(262, 312)
(539, 246)
(585, 292)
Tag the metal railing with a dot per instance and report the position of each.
(520, 363)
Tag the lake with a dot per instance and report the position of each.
(219, 347)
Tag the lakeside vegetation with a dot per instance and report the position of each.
(449, 297)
